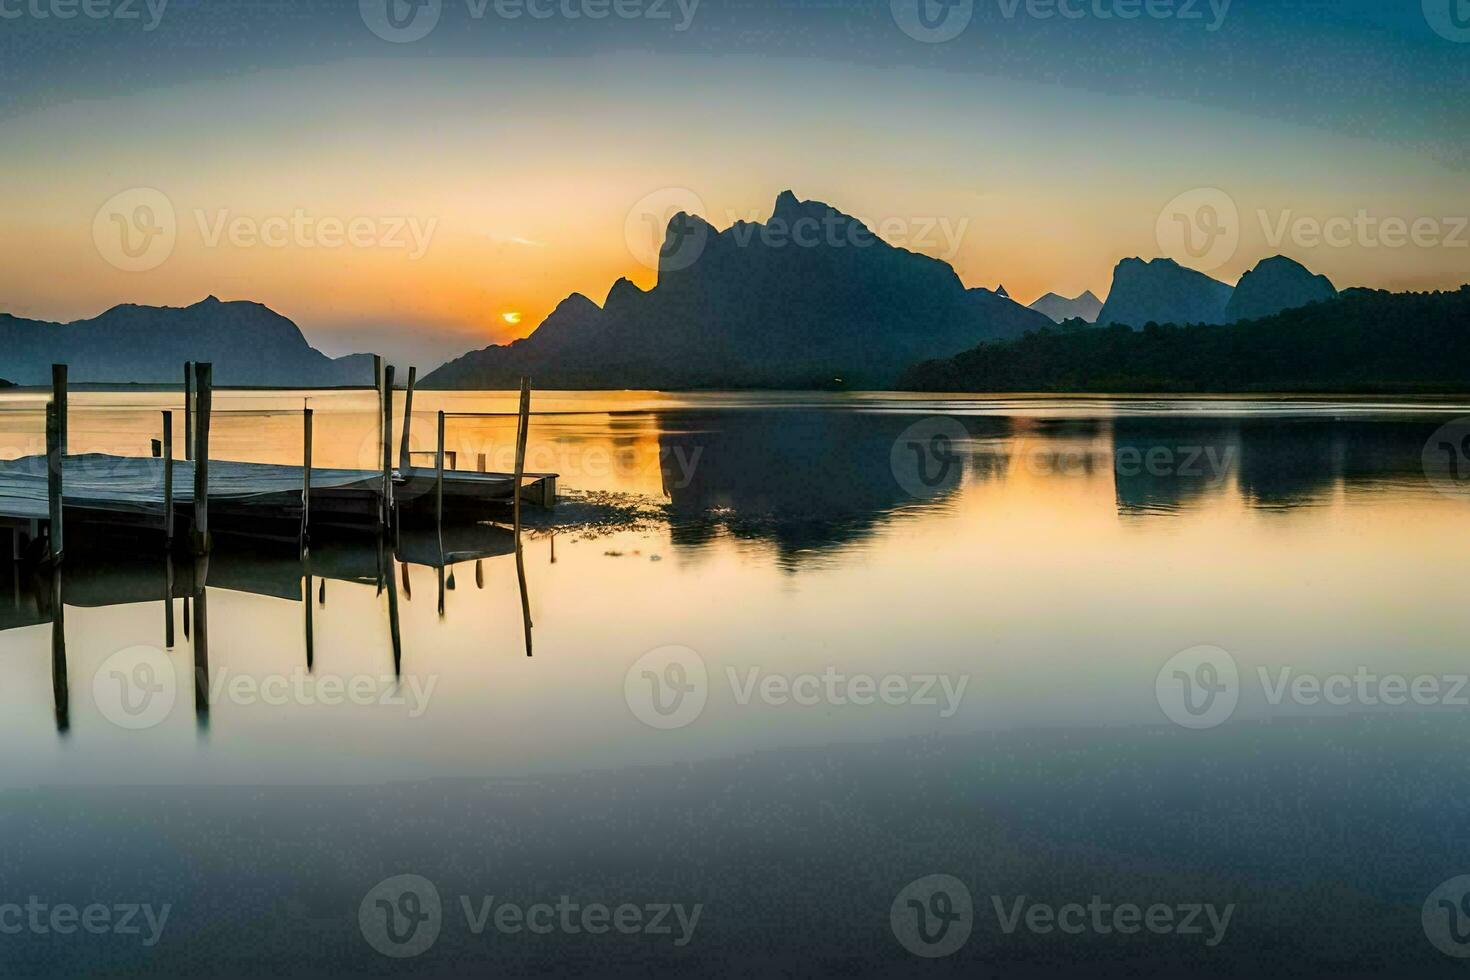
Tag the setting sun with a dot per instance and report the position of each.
(511, 318)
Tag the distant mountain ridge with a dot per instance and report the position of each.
(1058, 308)
(756, 305)
(248, 344)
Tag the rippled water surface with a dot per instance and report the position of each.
(791, 653)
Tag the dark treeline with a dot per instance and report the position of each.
(1362, 341)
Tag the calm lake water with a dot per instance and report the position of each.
(793, 655)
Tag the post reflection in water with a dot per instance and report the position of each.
(60, 686)
(201, 643)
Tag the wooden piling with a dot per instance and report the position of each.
(523, 427)
(168, 490)
(204, 398)
(387, 456)
(439, 480)
(56, 538)
(403, 449)
(188, 410)
(305, 538)
(56, 440)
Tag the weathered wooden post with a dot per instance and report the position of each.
(188, 410)
(305, 538)
(204, 397)
(439, 479)
(387, 455)
(403, 449)
(56, 460)
(55, 538)
(168, 486)
(523, 426)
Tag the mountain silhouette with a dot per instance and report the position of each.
(809, 298)
(1163, 291)
(248, 344)
(1085, 307)
(1276, 284)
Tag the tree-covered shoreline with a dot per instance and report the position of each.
(1364, 341)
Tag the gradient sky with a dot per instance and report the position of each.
(1029, 152)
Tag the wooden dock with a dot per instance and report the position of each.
(147, 496)
(132, 488)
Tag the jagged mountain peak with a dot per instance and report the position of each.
(1163, 291)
